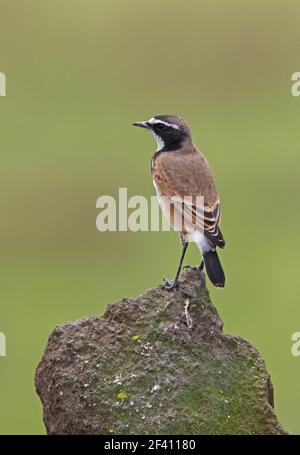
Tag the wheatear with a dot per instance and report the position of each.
(181, 176)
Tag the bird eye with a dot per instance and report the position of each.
(160, 126)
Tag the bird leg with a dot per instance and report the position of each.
(174, 284)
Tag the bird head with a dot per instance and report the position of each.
(171, 132)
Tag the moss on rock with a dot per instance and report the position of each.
(156, 364)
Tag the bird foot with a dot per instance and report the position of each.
(169, 284)
(191, 267)
(199, 269)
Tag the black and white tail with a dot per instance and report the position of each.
(214, 268)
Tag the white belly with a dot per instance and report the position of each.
(201, 241)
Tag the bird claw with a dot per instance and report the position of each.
(191, 267)
(199, 269)
(169, 284)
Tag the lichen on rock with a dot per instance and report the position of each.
(156, 364)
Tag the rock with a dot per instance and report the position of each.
(156, 364)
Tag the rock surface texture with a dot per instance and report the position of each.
(156, 364)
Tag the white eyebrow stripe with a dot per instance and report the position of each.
(154, 121)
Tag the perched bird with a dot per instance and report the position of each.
(182, 175)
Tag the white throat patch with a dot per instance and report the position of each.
(160, 143)
(159, 140)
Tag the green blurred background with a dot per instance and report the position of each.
(78, 73)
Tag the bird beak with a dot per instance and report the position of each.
(142, 124)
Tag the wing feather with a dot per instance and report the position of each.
(183, 175)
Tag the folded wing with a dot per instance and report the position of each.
(185, 176)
